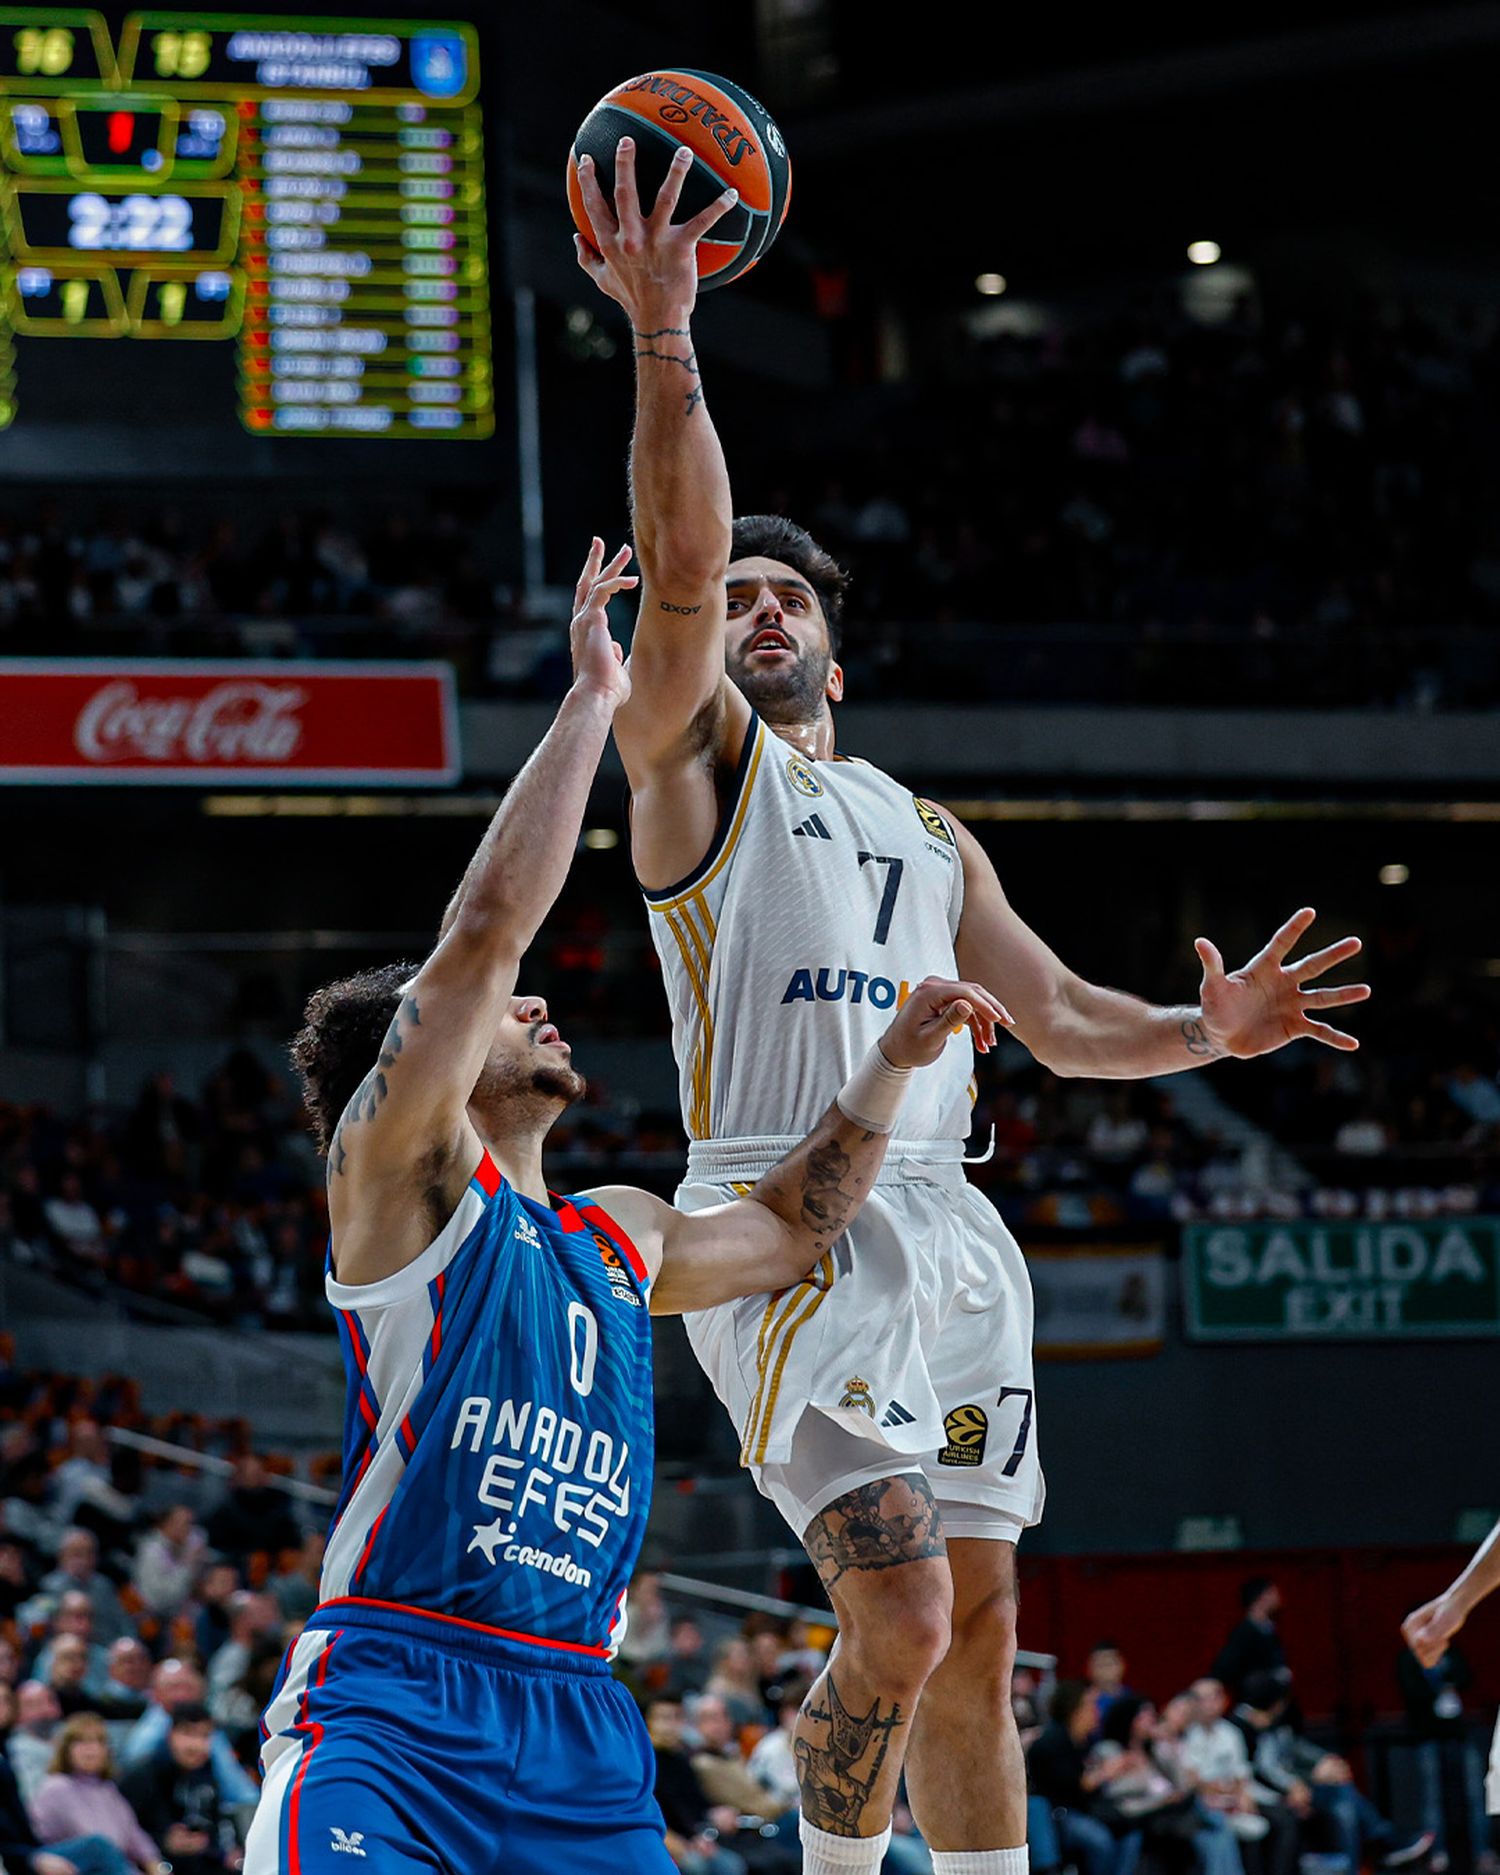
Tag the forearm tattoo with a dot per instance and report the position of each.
(678, 611)
(826, 1202)
(645, 348)
(840, 1756)
(875, 1526)
(1196, 1037)
(367, 1097)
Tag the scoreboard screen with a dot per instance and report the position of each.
(306, 193)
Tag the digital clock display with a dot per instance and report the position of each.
(307, 192)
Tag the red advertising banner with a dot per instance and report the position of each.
(377, 725)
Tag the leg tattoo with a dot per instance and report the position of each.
(875, 1526)
(839, 1757)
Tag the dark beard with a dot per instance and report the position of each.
(525, 1091)
(783, 696)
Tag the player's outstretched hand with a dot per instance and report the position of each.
(1427, 1630)
(643, 260)
(936, 1011)
(598, 662)
(1266, 1004)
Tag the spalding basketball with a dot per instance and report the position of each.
(735, 145)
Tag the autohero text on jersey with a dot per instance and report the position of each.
(826, 985)
(578, 1477)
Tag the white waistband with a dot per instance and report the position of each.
(719, 1161)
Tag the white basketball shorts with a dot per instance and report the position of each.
(908, 1348)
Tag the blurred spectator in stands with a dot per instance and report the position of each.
(76, 1227)
(24, 1481)
(1026, 1704)
(1142, 1796)
(297, 1587)
(735, 1681)
(29, 1746)
(725, 1776)
(254, 1517)
(78, 1570)
(800, 1654)
(177, 1683)
(1217, 1762)
(74, 1616)
(1315, 1782)
(1105, 1672)
(161, 1132)
(251, 1616)
(773, 1762)
(83, 1487)
(125, 1693)
(79, 1796)
(1061, 1776)
(67, 1673)
(1447, 1752)
(1253, 1646)
(687, 1663)
(218, 1582)
(15, 1589)
(21, 1851)
(767, 1647)
(696, 1829)
(168, 1561)
(648, 1632)
(177, 1800)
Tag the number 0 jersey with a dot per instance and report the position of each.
(498, 1431)
(830, 890)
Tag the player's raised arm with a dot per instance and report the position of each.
(776, 1234)
(1079, 1028)
(679, 482)
(409, 1112)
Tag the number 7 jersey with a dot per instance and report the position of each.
(829, 892)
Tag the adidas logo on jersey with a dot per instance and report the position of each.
(813, 829)
(896, 1415)
(526, 1232)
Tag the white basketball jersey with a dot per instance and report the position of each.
(829, 891)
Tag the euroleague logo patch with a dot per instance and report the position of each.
(802, 777)
(967, 1428)
(620, 1285)
(932, 820)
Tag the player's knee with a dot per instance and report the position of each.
(900, 1636)
(982, 1651)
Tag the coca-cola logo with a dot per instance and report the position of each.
(240, 721)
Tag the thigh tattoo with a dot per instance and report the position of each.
(875, 1526)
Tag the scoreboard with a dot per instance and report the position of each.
(307, 192)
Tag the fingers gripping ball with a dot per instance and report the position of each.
(735, 145)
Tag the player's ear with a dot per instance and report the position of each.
(835, 689)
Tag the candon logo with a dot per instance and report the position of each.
(244, 721)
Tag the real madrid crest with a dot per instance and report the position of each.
(802, 778)
(857, 1394)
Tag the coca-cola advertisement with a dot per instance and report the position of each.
(368, 724)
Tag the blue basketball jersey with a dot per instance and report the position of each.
(498, 1437)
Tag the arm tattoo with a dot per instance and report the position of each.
(689, 364)
(366, 1100)
(875, 1526)
(678, 611)
(840, 1756)
(826, 1204)
(1196, 1037)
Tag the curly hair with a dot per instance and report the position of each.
(343, 1026)
(773, 537)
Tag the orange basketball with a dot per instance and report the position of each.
(734, 143)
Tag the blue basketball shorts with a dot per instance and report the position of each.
(412, 1742)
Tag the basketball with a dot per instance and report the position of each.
(735, 145)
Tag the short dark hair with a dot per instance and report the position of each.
(1067, 1697)
(773, 537)
(343, 1026)
(191, 1713)
(1263, 1692)
(1252, 1588)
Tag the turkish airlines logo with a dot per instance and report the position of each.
(240, 721)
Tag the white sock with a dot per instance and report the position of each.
(823, 1854)
(980, 1861)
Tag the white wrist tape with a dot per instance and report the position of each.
(872, 1095)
